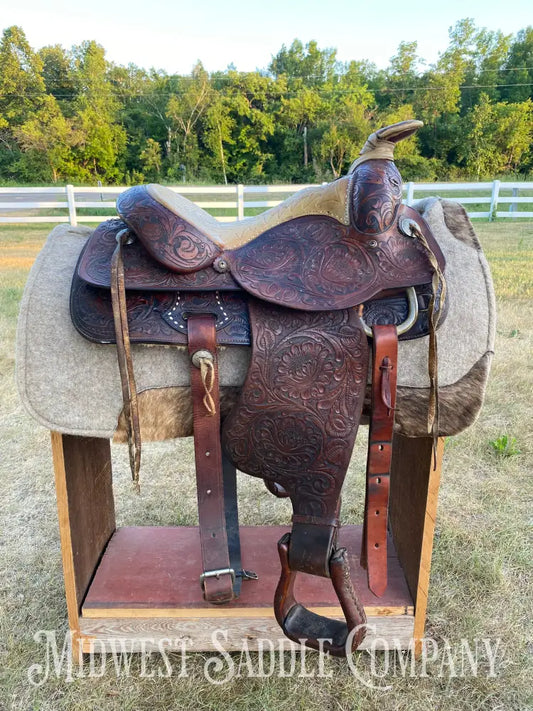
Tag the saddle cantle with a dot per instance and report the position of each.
(304, 284)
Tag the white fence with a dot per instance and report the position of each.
(497, 194)
(15, 203)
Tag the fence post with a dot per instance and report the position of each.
(512, 206)
(494, 200)
(410, 190)
(71, 201)
(240, 201)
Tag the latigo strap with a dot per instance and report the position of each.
(384, 377)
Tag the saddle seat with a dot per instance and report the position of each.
(185, 238)
(330, 200)
(143, 205)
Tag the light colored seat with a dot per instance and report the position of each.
(330, 200)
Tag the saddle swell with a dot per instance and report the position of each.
(142, 272)
(295, 291)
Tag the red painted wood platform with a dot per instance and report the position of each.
(158, 568)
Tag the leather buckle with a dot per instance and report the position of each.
(216, 574)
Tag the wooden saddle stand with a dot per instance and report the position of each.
(307, 288)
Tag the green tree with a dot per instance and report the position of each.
(219, 124)
(47, 138)
(251, 98)
(517, 72)
(58, 75)
(484, 70)
(304, 66)
(337, 147)
(184, 111)
(442, 84)
(150, 158)
(142, 98)
(346, 123)
(499, 137)
(343, 136)
(301, 112)
(21, 93)
(515, 134)
(95, 112)
(438, 102)
(402, 74)
(21, 85)
(483, 158)
(319, 124)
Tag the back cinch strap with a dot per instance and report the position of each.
(218, 576)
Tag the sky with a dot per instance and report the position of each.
(173, 35)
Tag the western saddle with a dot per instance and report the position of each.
(307, 284)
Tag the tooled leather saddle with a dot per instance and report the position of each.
(307, 285)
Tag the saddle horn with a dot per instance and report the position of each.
(381, 143)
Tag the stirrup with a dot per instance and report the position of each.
(301, 625)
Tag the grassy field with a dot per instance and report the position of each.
(480, 581)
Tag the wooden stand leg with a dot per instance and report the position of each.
(86, 513)
(413, 507)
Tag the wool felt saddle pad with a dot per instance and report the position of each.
(72, 386)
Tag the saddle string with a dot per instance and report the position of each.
(385, 388)
(438, 284)
(207, 371)
(124, 357)
(205, 362)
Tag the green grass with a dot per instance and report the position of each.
(509, 247)
(481, 569)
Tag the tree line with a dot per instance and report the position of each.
(71, 115)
